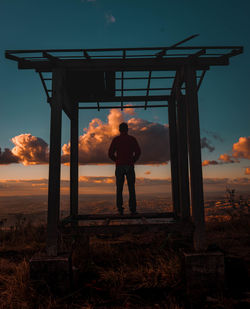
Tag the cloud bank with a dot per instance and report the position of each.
(7, 157)
(209, 162)
(205, 143)
(153, 139)
(30, 150)
(240, 150)
(100, 185)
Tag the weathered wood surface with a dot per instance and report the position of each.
(55, 163)
(194, 148)
(183, 158)
(141, 64)
(174, 155)
(74, 128)
(177, 228)
(117, 217)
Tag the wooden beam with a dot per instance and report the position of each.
(163, 52)
(98, 217)
(139, 98)
(52, 59)
(131, 106)
(196, 55)
(44, 85)
(186, 230)
(148, 86)
(122, 89)
(74, 133)
(201, 79)
(121, 49)
(142, 64)
(67, 101)
(177, 84)
(174, 155)
(86, 55)
(54, 163)
(13, 57)
(194, 148)
(183, 159)
(143, 78)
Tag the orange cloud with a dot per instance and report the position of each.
(241, 149)
(247, 171)
(225, 158)
(7, 157)
(239, 181)
(30, 150)
(153, 139)
(94, 143)
(129, 111)
(209, 162)
(100, 179)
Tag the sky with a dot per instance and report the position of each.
(67, 24)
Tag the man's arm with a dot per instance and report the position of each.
(137, 151)
(112, 150)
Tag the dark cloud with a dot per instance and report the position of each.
(30, 150)
(214, 135)
(7, 157)
(205, 143)
(209, 162)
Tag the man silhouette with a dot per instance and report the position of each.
(125, 151)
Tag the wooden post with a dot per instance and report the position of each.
(74, 160)
(173, 154)
(54, 163)
(183, 158)
(194, 148)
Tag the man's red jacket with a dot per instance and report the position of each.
(124, 150)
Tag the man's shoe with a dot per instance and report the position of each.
(121, 211)
(134, 213)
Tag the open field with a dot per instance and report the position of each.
(129, 271)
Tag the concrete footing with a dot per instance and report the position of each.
(55, 272)
(204, 274)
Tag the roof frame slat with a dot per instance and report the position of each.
(148, 87)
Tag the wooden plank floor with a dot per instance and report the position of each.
(116, 217)
(112, 223)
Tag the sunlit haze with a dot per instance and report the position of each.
(25, 115)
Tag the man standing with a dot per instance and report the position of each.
(125, 151)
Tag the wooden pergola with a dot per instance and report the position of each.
(145, 78)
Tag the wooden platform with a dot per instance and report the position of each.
(113, 223)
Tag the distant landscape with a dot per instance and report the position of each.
(34, 207)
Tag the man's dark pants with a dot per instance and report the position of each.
(120, 172)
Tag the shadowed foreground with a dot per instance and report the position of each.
(126, 271)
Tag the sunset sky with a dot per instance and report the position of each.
(66, 24)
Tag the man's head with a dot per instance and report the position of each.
(123, 127)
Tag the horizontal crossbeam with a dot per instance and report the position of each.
(129, 99)
(142, 64)
(169, 226)
(121, 49)
(121, 106)
(117, 217)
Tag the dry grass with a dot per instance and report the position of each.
(16, 290)
(130, 271)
